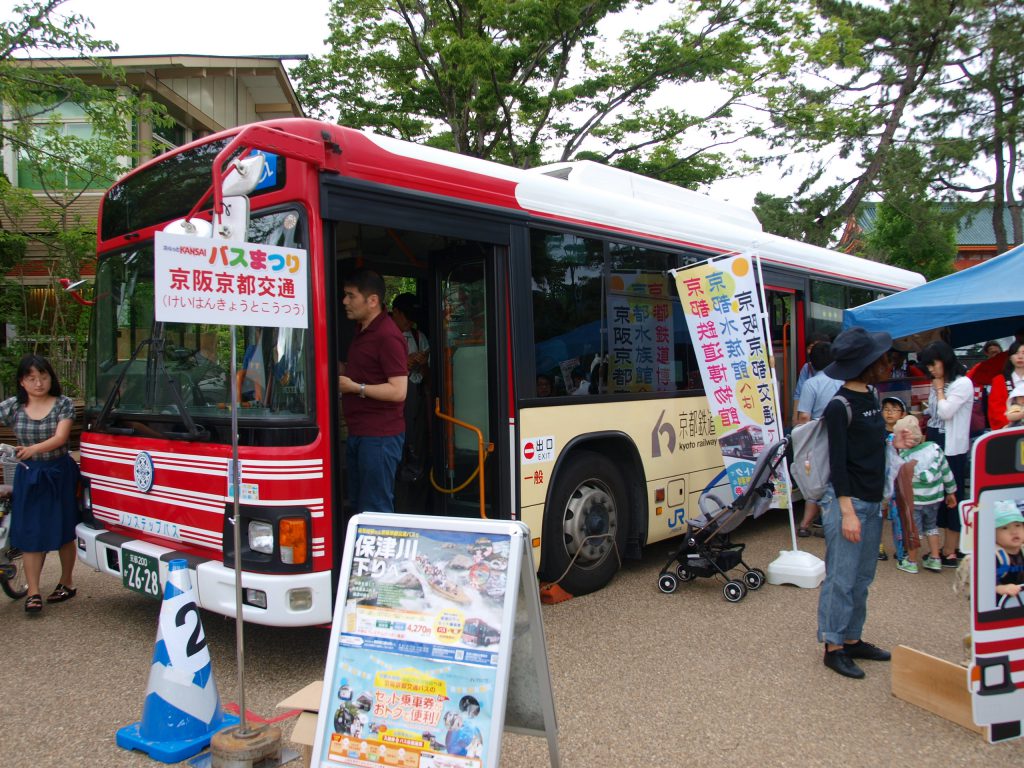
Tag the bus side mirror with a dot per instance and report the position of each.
(244, 175)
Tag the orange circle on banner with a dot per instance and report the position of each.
(740, 267)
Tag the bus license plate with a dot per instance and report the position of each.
(141, 573)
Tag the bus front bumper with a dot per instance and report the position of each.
(294, 600)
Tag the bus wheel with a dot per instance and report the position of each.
(585, 524)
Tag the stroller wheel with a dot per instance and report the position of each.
(684, 573)
(667, 583)
(734, 590)
(754, 578)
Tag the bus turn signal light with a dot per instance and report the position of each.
(293, 540)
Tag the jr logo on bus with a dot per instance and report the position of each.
(678, 519)
(537, 449)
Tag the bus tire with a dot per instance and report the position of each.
(585, 524)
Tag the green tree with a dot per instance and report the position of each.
(523, 82)
(912, 230)
(62, 166)
(981, 114)
(878, 66)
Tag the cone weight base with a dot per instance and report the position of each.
(230, 750)
(167, 750)
(795, 567)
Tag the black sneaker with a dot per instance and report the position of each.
(882, 555)
(949, 561)
(840, 661)
(863, 650)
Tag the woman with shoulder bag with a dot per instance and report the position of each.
(852, 504)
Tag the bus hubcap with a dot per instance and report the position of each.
(590, 523)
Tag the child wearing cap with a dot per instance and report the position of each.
(893, 409)
(933, 479)
(1015, 409)
(1009, 559)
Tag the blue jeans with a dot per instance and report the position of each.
(897, 531)
(372, 463)
(849, 569)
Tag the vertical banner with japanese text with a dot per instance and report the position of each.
(203, 280)
(724, 313)
(640, 333)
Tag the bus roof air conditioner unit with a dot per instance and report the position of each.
(586, 173)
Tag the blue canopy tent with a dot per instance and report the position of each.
(983, 302)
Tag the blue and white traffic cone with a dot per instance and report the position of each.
(182, 710)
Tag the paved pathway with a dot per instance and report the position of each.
(640, 678)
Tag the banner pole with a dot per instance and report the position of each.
(708, 260)
(243, 727)
(784, 466)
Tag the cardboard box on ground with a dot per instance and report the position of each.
(308, 700)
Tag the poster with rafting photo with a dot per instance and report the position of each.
(434, 594)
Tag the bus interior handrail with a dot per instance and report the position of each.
(482, 447)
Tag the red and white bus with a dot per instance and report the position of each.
(558, 272)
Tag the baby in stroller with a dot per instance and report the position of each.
(706, 549)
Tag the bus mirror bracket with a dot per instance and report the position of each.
(233, 223)
(190, 228)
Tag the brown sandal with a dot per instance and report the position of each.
(61, 593)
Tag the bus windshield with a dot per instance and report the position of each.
(161, 368)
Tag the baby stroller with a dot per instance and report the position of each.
(706, 550)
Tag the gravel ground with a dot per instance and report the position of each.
(640, 678)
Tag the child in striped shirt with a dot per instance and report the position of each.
(933, 480)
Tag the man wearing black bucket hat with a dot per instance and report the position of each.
(851, 507)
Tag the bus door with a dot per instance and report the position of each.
(785, 327)
(466, 423)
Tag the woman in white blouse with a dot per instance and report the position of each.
(949, 409)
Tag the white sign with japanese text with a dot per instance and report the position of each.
(204, 280)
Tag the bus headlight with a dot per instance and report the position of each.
(261, 537)
(293, 540)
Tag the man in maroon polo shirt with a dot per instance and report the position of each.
(373, 384)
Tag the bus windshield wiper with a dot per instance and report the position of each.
(115, 390)
(193, 430)
(155, 366)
